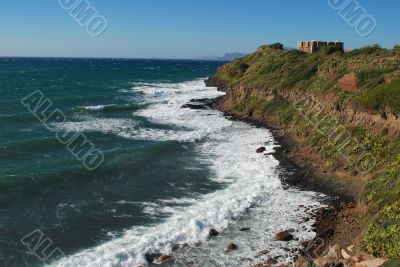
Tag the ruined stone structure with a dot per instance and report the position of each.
(314, 46)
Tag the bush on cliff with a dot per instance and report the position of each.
(383, 97)
(276, 46)
(367, 50)
(330, 49)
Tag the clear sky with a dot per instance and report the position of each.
(184, 28)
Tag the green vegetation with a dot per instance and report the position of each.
(383, 97)
(277, 107)
(276, 46)
(367, 50)
(283, 73)
(328, 50)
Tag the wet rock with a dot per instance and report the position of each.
(150, 257)
(213, 233)
(164, 258)
(244, 229)
(195, 106)
(231, 247)
(284, 236)
(178, 247)
(261, 150)
(263, 252)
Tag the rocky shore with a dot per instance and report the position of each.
(338, 226)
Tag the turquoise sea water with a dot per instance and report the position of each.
(169, 173)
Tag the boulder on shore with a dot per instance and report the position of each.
(231, 247)
(284, 236)
(261, 150)
(164, 258)
(212, 232)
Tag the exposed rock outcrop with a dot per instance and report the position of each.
(350, 82)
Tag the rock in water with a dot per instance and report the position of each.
(261, 150)
(284, 236)
(213, 233)
(231, 247)
(164, 258)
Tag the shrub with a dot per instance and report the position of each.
(243, 67)
(303, 72)
(329, 49)
(278, 46)
(383, 96)
(367, 50)
(383, 241)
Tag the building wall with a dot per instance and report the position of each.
(314, 46)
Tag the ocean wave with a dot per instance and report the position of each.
(251, 180)
(112, 108)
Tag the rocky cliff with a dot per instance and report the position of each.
(341, 113)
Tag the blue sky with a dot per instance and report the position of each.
(184, 28)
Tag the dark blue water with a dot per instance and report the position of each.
(43, 186)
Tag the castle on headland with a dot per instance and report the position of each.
(314, 46)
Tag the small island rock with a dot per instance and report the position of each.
(231, 247)
(213, 233)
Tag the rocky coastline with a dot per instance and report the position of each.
(337, 226)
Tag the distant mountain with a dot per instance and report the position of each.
(232, 56)
(226, 57)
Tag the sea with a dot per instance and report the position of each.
(166, 174)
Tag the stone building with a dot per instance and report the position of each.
(313, 46)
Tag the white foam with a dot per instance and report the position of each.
(95, 108)
(229, 147)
